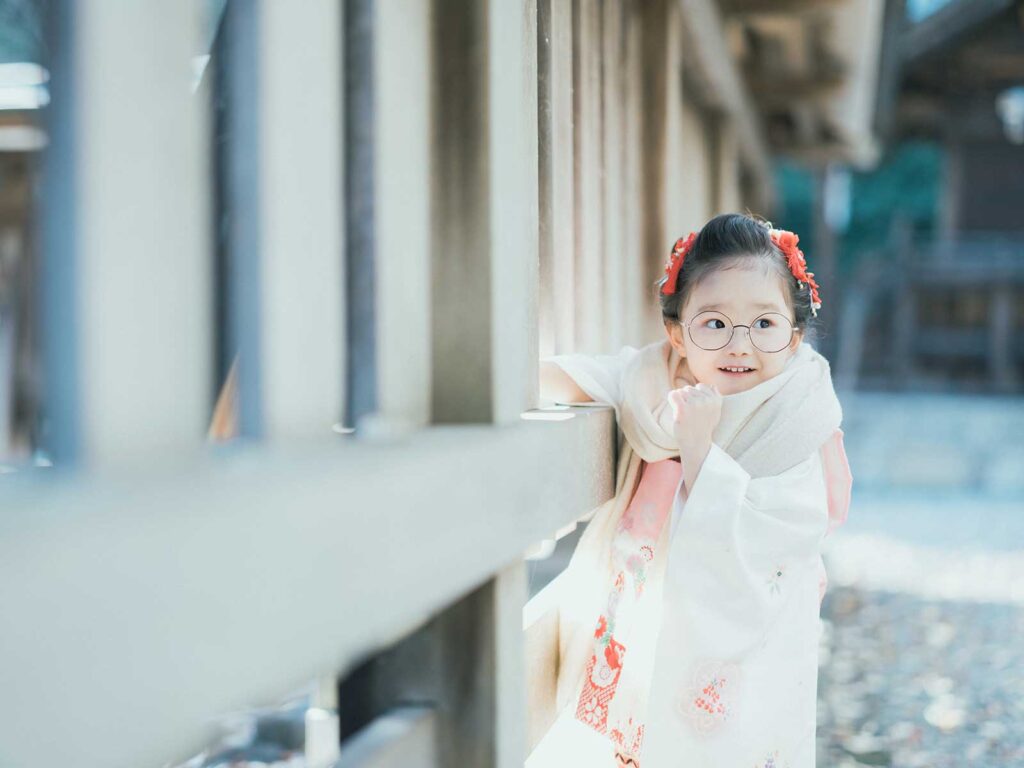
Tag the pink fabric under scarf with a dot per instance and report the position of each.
(614, 688)
(838, 480)
(838, 485)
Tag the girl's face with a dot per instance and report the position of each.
(742, 295)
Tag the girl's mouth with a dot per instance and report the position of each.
(736, 370)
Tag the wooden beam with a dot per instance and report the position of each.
(710, 62)
(772, 92)
(774, 7)
(890, 68)
(948, 26)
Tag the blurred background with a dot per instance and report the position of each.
(275, 279)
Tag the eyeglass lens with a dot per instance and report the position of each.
(770, 332)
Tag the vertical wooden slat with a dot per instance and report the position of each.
(59, 300)
(512, 192)
(728, 167)
(1000, 351)
(301, 209)
(555, 145)
(713, 150)
(243, 189)
(461, 371)
(950, 206)
(687, 187)
(563, 170)
(612, 178)
(484, 276)
(510, 594)
(589, 234)
(128, 367)
(681, 159)
(361, 278)
(640, 305)
(402, 73)
(654, 108)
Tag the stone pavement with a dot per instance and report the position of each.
(921, 660)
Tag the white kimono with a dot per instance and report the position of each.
(734, 675)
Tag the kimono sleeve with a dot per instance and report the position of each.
(736, 664)
(600, 376)
(742, 539)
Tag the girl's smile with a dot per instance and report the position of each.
(742, 296)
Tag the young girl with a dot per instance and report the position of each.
(687, 621)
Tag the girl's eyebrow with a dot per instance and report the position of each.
(759, 305)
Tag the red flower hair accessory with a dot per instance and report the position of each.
(787, 243)
(675, 262)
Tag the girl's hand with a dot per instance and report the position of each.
(696, 411)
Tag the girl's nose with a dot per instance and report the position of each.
(738, 340)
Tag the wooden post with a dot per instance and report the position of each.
(556, 189)
(1000, 350)
(590, 236)
(126, 287)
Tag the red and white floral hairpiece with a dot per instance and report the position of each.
(786, 242)
(783, 239)
(675, 262)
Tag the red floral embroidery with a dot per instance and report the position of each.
(602, 676)
(628, 738)
(611, 655)
(709, 699)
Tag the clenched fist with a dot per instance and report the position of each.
(696, 411)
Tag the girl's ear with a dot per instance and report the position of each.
(674, 331)
(798, 337)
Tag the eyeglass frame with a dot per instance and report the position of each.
(792, 330)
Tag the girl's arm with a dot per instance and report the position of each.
(582, 378)
(556, 384)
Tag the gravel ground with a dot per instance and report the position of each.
(922, 649)
(908, 681)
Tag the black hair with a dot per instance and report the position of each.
(735, 240)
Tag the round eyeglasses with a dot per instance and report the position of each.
(770, 332)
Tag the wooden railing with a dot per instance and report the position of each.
(138, 608)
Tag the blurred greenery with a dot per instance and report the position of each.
(20, 31)
(907, 181)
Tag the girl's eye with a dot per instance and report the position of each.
(764, 322)
(714, 323)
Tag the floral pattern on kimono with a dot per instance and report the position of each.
(628, 738)
(632, 551)
(771, 760)
(711, 697)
